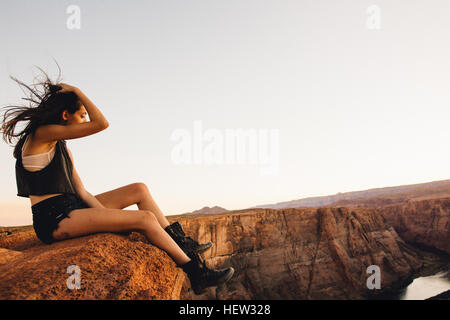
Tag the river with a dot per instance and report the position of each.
(425, 287)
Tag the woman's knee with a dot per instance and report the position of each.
(147, 219)
(140, 188)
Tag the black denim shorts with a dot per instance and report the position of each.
(48, 213)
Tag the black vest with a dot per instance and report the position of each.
(56, 177)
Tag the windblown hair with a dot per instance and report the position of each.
(46, 107)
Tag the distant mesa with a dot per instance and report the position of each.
(375, 197)
(209, 210)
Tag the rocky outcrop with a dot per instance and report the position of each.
(111, 267)
(308, 253)
(425, 222)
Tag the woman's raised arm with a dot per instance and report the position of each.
(98, 122)
(93, 111)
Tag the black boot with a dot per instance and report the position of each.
(187, 244)
(202, 277)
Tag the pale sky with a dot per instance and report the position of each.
(354, 107)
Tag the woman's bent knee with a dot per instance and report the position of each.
(148, 219)
(140, 188)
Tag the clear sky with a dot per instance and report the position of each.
(358, 97)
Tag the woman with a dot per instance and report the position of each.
(62, 208)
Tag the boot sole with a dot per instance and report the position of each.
(227, 277)
(221, 281)
(204, 249)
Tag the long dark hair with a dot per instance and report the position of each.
(45, 107)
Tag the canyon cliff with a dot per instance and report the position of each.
(307, 253)
(425, 222)
(294, 253)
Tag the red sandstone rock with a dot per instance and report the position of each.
(112, 267)
(307, 253)
(425, 222)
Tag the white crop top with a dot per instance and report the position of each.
(37, 161)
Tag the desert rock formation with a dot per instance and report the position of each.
(111, 266)
(308, 253)
(296, 253)
(425, 222)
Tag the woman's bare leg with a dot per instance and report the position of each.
(148, 203)
(134, 193)
(93, 220)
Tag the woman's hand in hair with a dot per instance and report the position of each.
(67, 88)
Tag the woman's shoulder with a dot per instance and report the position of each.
(32, 140)
(35, 136)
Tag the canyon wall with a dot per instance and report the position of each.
(306, 253)
(425, 222)
(303, 253)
